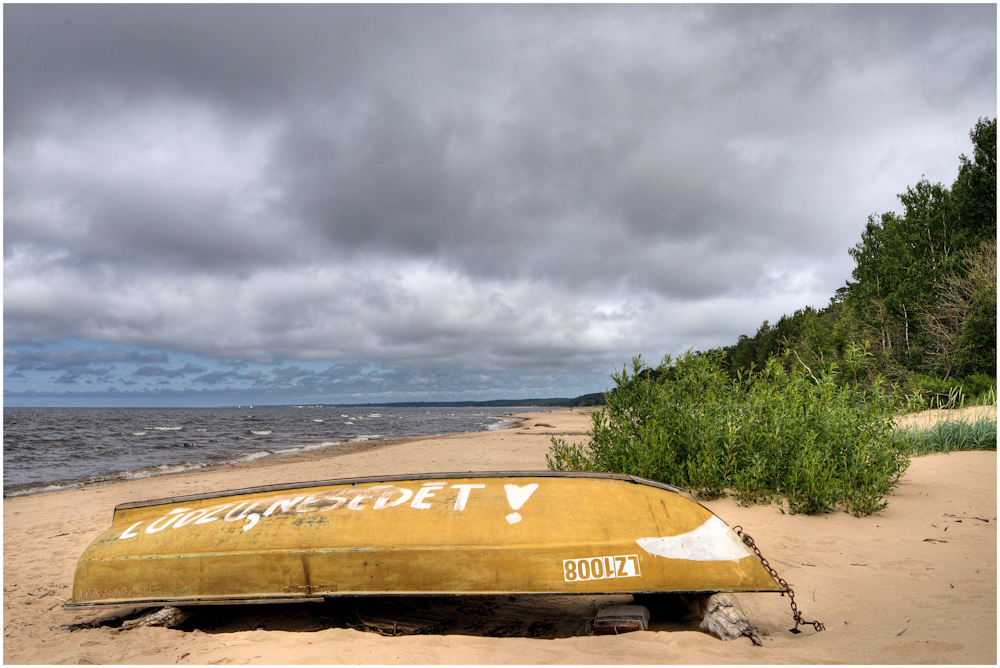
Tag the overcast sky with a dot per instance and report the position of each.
(211, 205)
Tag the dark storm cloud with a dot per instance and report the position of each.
(486, 187)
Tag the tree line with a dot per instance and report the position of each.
(592, 399)
(920, 308)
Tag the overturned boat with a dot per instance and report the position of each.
(542, 532)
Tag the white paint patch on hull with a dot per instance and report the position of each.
(712, 541)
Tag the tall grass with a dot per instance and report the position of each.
(950, 435)
(775, 435)
(930, 392)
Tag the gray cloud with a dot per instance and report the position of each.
(68, 358)
(287, 375)
(215, 377)
(187, 369)
(482, 188)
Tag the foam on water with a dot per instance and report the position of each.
(304, 448)
(39, 490)
(253, 456)
(138, 474)
(502, 423)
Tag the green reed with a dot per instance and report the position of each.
(950, 435)
(810, 442)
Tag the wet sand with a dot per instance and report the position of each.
(914, 584)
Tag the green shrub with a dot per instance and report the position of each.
(814, 442)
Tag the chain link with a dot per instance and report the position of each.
(796, 615)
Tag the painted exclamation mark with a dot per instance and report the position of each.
(516, 497)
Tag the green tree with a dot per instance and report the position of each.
(975, 189)
(921, 297)
(962, 323)
(903, 260)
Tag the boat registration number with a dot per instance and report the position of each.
(601, 568)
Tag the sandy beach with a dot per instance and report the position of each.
(913, 584)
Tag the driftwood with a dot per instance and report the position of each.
(723, 619)
(390, 626)
(169, 617)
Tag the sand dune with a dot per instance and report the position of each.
(914, 584)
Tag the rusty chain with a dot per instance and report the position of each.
(796, 615)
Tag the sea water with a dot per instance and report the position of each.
(48, 449)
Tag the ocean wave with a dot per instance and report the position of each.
(502, 423)
(164, 469)
(263, 432)
(166, 428)
(40, 489)
(304, 448)
(253, 456)
(121, 476)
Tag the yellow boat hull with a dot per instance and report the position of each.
(454, 533)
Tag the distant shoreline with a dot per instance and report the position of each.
(584, 400)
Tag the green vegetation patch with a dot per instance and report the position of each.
(930, 392)
(813, 442)
(949, 435)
